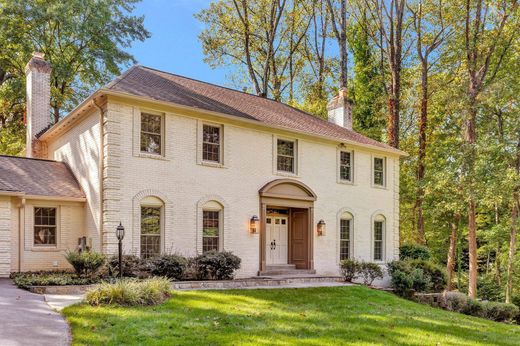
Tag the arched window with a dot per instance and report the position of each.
(151, 227)
(212, 226)
(345, 235)
(379, 237)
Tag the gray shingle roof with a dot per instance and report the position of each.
(162, 86)
(38, 177)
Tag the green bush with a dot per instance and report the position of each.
(488, 289)
(500, 312)
(455, 301)
(171, 266)
(130, 292)
(132, 266)
(369, 272)
(85, 263)
(25, 280)
(474, 308)
(414, 251)
(410, 276)
(349, 269)
(217, 265)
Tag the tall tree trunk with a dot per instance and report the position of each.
(452, 251)
(512, 248)
(421, 164)
(339, 26)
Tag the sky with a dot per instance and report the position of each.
(173, 45)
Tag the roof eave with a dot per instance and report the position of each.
(110, 92)
(42, 197)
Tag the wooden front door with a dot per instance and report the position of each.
(299, 238)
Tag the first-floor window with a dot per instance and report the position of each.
(344, 239)
(44, 226)
(379, 227)
(210, 230)
(150, 231)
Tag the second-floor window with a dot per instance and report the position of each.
(345, 166)
(211, 143)
(379, 171)
(151, 134)
(285, 161)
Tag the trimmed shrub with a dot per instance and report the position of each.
(416, 276)
(170, 266)
(349, 269)
(25, 280)
(500, 312)
(217, 265)
(369, 272)
(130, 292)
(132, 266)
(85, 263)
(455, 301)
(474, 308)
(414, 251)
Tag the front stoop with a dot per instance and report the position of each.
(284, 270)
(260, 282)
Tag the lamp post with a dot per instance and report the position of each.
(120, 234)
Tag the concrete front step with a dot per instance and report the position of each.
(286, 272)
(281, 267)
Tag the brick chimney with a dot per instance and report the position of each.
(339, 109)
(37, 73)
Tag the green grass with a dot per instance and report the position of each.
(306, 316)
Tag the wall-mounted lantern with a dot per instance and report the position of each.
(321, 227)
(254, 224)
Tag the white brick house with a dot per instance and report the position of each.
(187, 167)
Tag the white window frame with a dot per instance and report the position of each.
(347, 216)
(385, 170)
(137, 134)
(214, 206)
(379, 218)
(58, 230)
(200, 145)
(296, 161)
(153, 202)
(352, 166)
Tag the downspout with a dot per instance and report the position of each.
(101, 165)
(21, 219)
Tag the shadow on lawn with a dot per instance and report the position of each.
(315, 316)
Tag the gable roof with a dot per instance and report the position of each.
(167, 87)
(36, 177)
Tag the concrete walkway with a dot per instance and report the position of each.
(25, 319)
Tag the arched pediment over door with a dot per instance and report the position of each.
(288, 189)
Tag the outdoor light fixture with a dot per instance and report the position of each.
(254, 224)
(120, 234)
(321, 227)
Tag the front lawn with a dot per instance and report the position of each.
(305, 316)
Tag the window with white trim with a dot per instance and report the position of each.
(211, 143)
(345, 236)
(286, 155)
(379, 237)
(211, 230)
(345, 166)
(379, 171)
(151, 133)
(45, 226)
(150, 231)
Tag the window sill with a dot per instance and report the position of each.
(380, 187)
(286, 174)
(212, 164)
(43, 248)
(345, 182)
(152, 156)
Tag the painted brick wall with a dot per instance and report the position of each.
(79, 148)
(248, 165)
(5, 236)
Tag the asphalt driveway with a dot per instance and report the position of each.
(25, 319)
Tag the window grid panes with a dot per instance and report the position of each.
(345, 167)
(150, 232)
(151, 133)
(378, 240)
(285, 157)
(344, 239)
(44, 226)
(211, 143)
(210, 230)
(379, 171)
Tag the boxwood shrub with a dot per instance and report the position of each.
(170, 266)
(215, 265)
